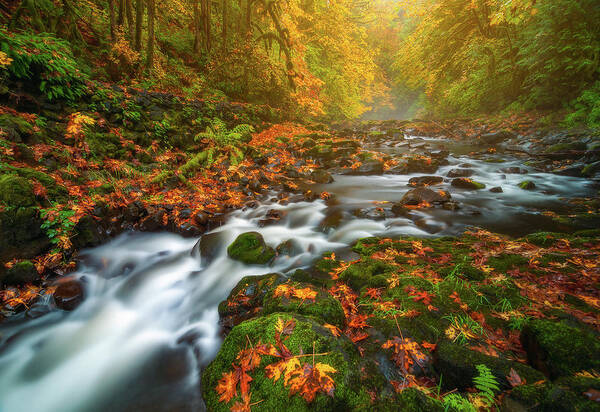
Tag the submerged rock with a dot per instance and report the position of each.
(250, 248)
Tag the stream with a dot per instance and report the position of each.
(149, 321)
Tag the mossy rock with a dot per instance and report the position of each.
(253, 289)
(458, 366)
(358, 275)
(16, 191)
(323, 308)
(466, 183)
(543, 239)
(527, 185)
(21, 235)
(560, 349)
(20, 273)
(565, 147)
(562, 395)
(308, 335)
(413, 400)
(250, 248)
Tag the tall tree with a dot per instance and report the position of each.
(111, 14)
(225, 17)
(139, 19)
(150, 49)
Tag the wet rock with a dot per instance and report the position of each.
(69, 294)
(497, 137)
(457, 364)
(559, 348)
(200, 218)
(20, 274)
(273, 216)
(290, 247)
(425, 180)
(527, 185)
(321, 176)
(465, 183)
(208, 247)
(422, 195)
(513, 170)
(497, 189)
(87, 233)
(371, 167)
(250, 248)
(246, 299)
(332, 220)
(460, 173)
(452, 206)
(375, 213)
(591, 169)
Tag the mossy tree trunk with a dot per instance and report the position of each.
(139, 20)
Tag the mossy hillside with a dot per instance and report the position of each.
(349, 393)
(250, 248)
(561, 349)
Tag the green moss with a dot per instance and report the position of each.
(506, 262)
(560, 349)
(55, 192)
(564, 147)
(565, 395)
(457, 365)
(250, 248)
(307, 335)
(359, 274)
(20, 273)
(16, 191)
(543, 239)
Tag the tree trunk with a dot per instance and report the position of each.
(207, 33)
(150, 48)
(129, 13)
(121, 18)
(224, 35)
(111, 13)
(196, 26)
(139, 20)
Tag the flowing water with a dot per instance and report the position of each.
(149, 320)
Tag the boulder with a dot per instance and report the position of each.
(460, 173)
(251, 249)
(415, 197)
(425, 181)
(559, 348)
(20, 273)
(321, 176)
(465, 183)
(497, 137)
(68, 294)
(371, 167)
(527, 185)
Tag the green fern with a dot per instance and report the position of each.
(218, 133)
(456, 403)
(486, 383)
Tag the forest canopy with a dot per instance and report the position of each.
(334, 59)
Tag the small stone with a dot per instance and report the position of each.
(527, 185)
(497, 189)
